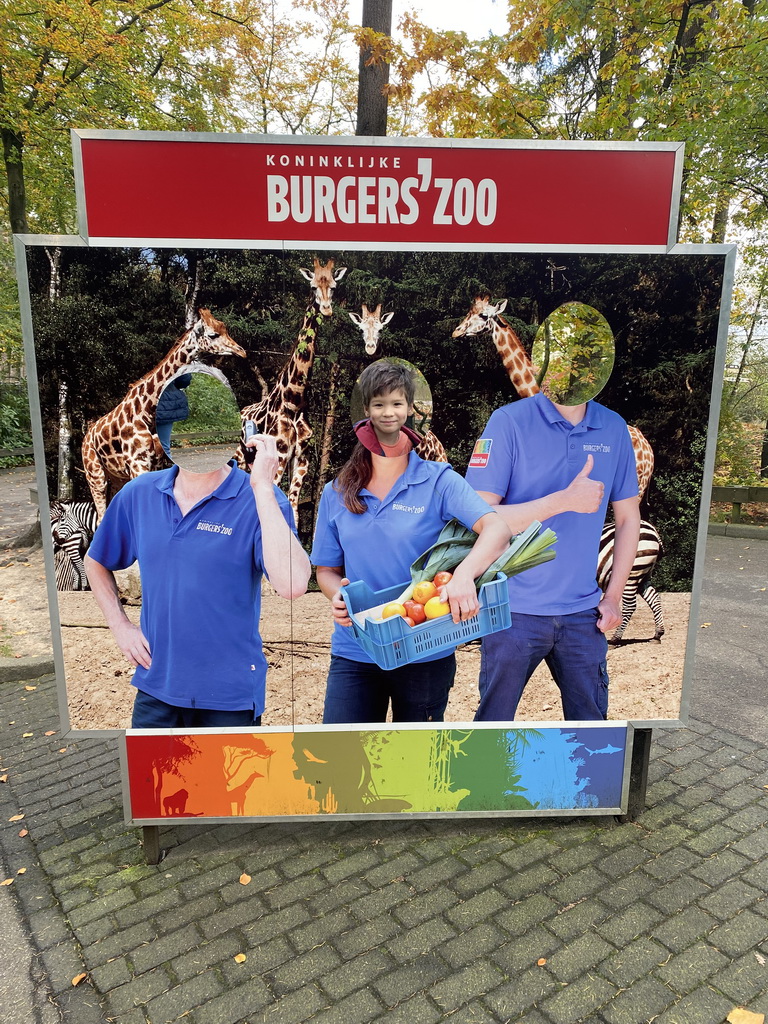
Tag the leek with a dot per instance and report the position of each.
(531, 547)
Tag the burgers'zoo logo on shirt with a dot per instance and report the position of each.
(598, 447)
(414, 509)
(214, 528)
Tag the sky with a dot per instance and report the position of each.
(475, 17)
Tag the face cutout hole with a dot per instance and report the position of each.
(573, 354)
(198, 419)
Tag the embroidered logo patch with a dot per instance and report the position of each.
(481, 453)
(598, 447)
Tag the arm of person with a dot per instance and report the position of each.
(583, 494)
(626, 514)
(493, 536)
(285, 560)
(128, 636)
(331, 579)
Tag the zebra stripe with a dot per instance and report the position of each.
(649, 547)
(73, 524)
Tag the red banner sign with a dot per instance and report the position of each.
(383, 194)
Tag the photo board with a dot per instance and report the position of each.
(436, 261)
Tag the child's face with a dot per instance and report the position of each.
(388, 413)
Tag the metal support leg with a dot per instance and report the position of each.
(151, 836)
(638, 774)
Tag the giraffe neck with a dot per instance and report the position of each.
(182, 353)
(516, 361)
(295, 374)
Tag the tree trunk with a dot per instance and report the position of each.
(764, 455)
(13, 152)
(325, 448)
(194, 272)
(720, 219)
(64, 478)
(373, 77)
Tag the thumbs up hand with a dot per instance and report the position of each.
(584, 494)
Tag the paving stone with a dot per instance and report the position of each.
(341, 895)
(304, 968)
(730, 778)
(256, 926)
(679, 893)
(750, 818)
(720, 867)
(691, 968)
(418, 1010)
(476, 980)
(413, 942)
(579, 956)
(740, 796)
(524, 952)
(356, 864)
(647, 997)
(582, 883)
(684, 929)
(291, 1009)
(251, 997)
(110, 976)
(291, 892)
(119, 943)
(513, 1000)
(580, 998)
(729, 899)
(741, 980)
(358, 973)
(626, 926)
(62, 963)
(492, 872)
(523, 856)
(757, 876)
(754, 846)
(471, 945)
(477, 908)
(633, 961)
(672, 864)
(713, 839)
(360, 1007)
(331, 927)
(573, 920)
(691, 774)
(739, 935)
(208, 954)
(704, 1006)
(426, 906)
(628, 889)
(138, 991)
(525, 883)
(417, 976)
(166, 948)
(666, 838)
(381, 901)
(394, 870)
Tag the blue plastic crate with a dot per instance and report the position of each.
(393, 642)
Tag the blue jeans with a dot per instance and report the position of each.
(357, 692)
(574, 650)
(151, 713)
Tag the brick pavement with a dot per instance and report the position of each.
(663, 920)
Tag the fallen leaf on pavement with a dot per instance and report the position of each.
(30, 688)
(541, 961)
(3, 778)
(760, 958)
(240, 958)
(62, 750)
(25, 735)
(16, 817)
(24, 832)
(78, 978)
(739, 1015)
(21, 871)
(51, 732)
(244, 879)
(7, 881)
(705, 624)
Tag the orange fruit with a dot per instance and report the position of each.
(442, 578)
(423, 591)
(434, 608)
(392, 609)
(409, 621)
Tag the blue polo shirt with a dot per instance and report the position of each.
(201, 587)
(529, 450)
(379, 545)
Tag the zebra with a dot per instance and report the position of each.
(649, 547)
(73, 524)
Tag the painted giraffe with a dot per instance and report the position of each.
(370, 323)
(123, 443)
(485, 316)
(281, 412)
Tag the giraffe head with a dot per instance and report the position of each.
(370, 323)
(323, 281)
(480, 317)
(210, 335)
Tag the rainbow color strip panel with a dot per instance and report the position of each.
(539, 768)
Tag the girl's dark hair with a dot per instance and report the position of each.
(352, 478)
(380, 378)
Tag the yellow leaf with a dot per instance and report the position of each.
(16, 817)
(7, 881)
(541, 961)
(30, 688)
(739, 1015)
(51, 732)
(3, 778)
(24, 735)
(78, 978)
(21, 871)
(24, 832)
(240, 958)
(62, 750)
(244, 879)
